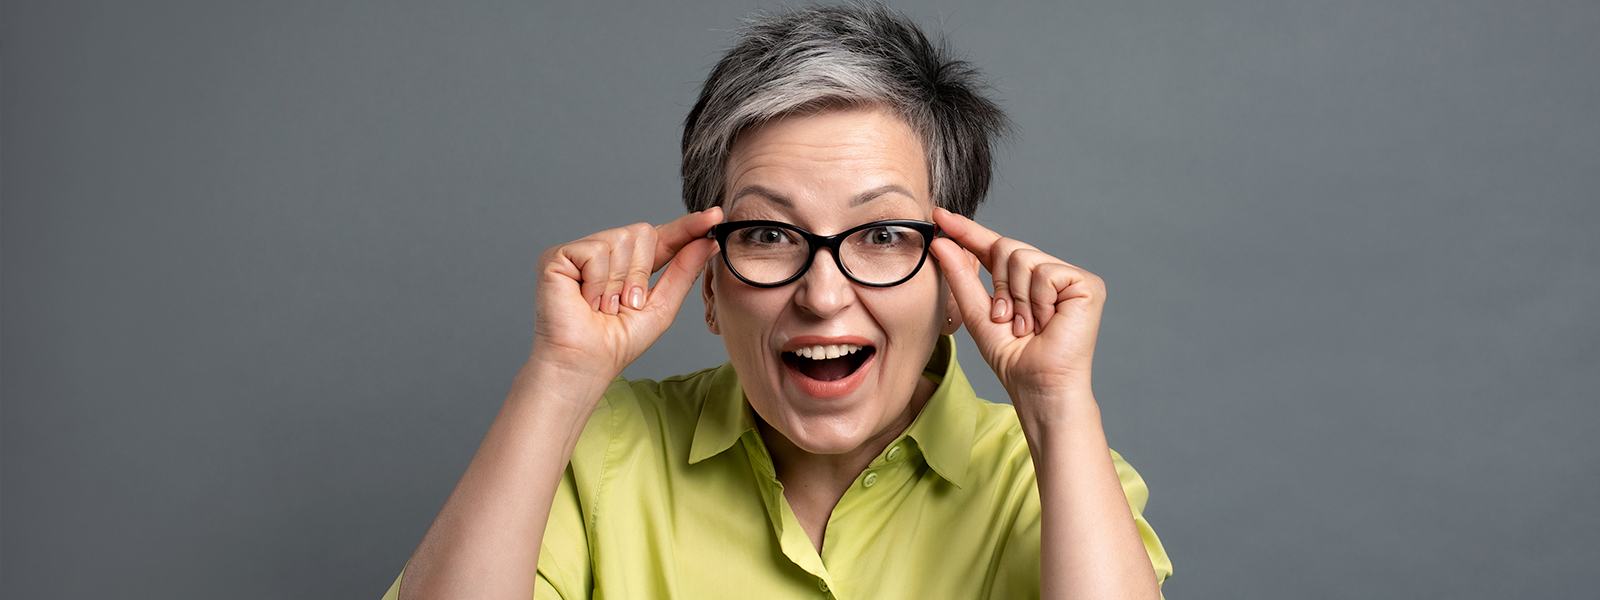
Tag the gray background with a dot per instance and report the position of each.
(267, 271)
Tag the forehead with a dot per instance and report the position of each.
(834, 160)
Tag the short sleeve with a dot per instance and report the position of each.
(564, 569)
(542, 589)
(1017, 575)
(1133, 487)
(394, 590)
(564, 572)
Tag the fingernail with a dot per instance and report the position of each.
(613, 303)
(636, 299)
(1019, 327)
(999, 308)
(595, 304)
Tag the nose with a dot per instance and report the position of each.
(824, 291)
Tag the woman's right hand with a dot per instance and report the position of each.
(595, 315)
(596, 311)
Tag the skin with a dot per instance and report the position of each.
(825, 172)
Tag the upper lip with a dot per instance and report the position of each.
(808, 341)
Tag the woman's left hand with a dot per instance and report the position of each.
(1038, 330)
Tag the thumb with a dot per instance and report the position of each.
(960, 271)
(661, 307)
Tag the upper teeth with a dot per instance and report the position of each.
(823, 352)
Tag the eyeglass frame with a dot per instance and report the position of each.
(721, 231)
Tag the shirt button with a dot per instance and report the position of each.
(823, 585)
(894, 453)
(871, 479)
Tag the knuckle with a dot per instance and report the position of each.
(615, 235)
(1013, 245)
(1017, 260)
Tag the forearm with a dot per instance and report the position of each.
(1089, 544)
(485, 541)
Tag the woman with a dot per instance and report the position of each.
(840, 452)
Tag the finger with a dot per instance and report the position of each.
(1019, 268)
(1050, 283)
(593, 261)
(1000, 273)
(667, 297)
(992, 250)
(621, 247)
(639, 268)
(976, 238)
(971, 298)
(1080, 298)
(671, 237)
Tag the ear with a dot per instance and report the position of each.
(952, 314)
(952, 311)
(710, 297)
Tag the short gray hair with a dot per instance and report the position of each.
(855, 54)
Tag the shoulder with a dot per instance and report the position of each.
(1000, 445)
(999, 448)
(644, 414)
(680, 393)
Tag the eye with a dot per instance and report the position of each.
(766, 235)
(884, 235)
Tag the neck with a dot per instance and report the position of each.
(797, 466)
(814, 483)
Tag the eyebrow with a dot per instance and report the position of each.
(762, 191)
(878, 192)
(784, 201)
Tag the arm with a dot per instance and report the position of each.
(593, 319)
(1038, 333)
(1088, 538)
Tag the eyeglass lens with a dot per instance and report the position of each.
(876, 255)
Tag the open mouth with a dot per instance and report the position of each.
(828, 363)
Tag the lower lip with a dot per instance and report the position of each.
(819, 389)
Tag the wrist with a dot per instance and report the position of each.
(559, 392)
(1042, 410)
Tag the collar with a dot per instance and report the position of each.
(943, 430)
(724, 417)
(947, 424)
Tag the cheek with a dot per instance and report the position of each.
(745, 314)
(916, 314)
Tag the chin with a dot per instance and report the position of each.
(830, 435)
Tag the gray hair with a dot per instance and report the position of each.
(855, 54)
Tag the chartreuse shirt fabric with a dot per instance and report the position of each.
(672, 494)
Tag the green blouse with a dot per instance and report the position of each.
(671, 494)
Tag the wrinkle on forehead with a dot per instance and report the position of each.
(841, 159)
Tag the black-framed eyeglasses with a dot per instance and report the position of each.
(773, 253)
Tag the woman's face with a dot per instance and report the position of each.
(828, 172)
